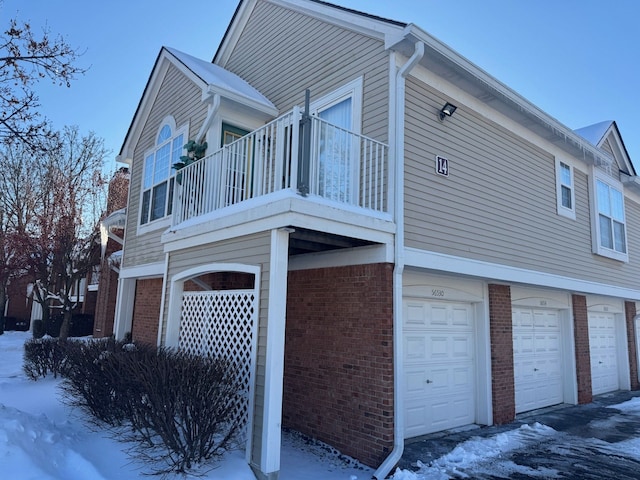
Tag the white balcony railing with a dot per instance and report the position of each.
(342, 167)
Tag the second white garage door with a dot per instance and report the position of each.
(439, 366)
(604, 352)
(537, 358)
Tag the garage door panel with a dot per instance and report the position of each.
(415, 348)
(462, 347)
(439, 366)
(537, 348)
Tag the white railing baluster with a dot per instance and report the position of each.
(344, 167)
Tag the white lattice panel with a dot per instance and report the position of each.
(221, 324)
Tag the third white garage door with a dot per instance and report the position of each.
(604, 352)
(537, 358)
(439, 366)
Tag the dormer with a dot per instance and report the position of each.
(228, 97)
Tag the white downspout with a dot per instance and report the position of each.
(396, 139)
(206, 125)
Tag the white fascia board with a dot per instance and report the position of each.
(362, 22)
(503, 273)
(414, 33)
(294, 212)
(165, 58)
(240, 99)
(239, 21)
(150, 270)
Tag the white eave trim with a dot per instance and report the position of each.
(213, 90)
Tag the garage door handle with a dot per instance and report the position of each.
(600, 362)
(429, 381)
(535, 369)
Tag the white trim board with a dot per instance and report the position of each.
(477, 268)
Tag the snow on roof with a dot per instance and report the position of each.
(219, 77)
(594, 133)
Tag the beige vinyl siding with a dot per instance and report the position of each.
(180, 97)
(282, 53)
(499, 202)
(252, 250)
(606, 146)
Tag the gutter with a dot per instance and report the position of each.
(396, 137)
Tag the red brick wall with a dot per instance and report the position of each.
(106, 302)
(146, 311)
(19, 305)
(90, 300)
(501, 332)
(583, 357)
(630, 313)
(338, 385)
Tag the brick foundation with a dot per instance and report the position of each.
(502, 372)
(338, 383)
(583, 355)
(146, 311)
(630, 313)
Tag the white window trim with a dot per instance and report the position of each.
(353, 90)
(561, 209)
(597, 174)
(164, 222)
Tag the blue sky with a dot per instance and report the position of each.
(578, 60)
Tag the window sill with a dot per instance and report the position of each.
(612, 254)
(161, 224)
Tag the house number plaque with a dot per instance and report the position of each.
(442, 166)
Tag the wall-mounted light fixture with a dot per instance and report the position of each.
(447, 110)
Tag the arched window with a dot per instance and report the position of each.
(158, 179)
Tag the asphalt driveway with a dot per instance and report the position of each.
(600, 440)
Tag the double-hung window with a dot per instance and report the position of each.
(609, 227)
(158, 178)
(565, 189)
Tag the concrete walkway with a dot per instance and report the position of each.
(594, 441)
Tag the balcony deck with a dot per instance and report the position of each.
(324, 164)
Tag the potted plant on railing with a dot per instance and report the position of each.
(195, 151)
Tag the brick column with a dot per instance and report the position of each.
(501, 332)
(583, 356)
(146, 311)
(630, 313)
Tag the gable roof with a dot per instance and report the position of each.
(605, 135)
(595, 133)
(222, 81)
(212, 80)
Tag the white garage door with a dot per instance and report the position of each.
(604, 353)
(537, 358)
(439, 366)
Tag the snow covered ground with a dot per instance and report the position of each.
(43, 439)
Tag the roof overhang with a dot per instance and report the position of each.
(456, 69)
(196, 71)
